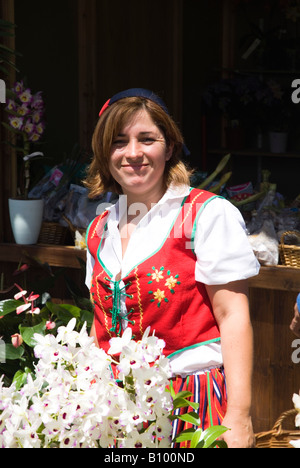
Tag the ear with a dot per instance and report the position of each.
(169, 152)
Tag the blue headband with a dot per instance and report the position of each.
(135, 92)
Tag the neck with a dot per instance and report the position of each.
(146, 200)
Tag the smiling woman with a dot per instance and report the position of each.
(180, 267)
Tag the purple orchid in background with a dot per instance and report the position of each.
(27, 112)
(26, 120)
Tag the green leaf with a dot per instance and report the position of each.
(218, 169)
(211, 434)
(196, 438)
(191, 418)
(8, 306)
(11, 129)
(219, 443)
(87, 316)
(12, 353)
(183, 403)
(27, 333)
(64, 312)
(194, 405)
(185, 435)
(8, 49)
(20, 378)
(200, 444)
(180, 403)
(184, 394)
(171, 390)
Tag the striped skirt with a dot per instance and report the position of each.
(209, 390)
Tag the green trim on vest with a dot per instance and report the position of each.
(197, 345)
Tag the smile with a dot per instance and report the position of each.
(134, 166)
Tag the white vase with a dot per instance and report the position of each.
(26, 218)
(278, 142)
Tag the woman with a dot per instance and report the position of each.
(171, 257)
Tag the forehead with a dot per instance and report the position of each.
(140, 121)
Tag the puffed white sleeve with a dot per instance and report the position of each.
(221, 245)
(89, 268)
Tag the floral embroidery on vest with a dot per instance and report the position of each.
(170, 283)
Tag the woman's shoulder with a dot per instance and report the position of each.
(97, 225)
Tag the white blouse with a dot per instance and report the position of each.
(222, 249)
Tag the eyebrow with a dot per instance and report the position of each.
(150, 132)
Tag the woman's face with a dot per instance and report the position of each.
(138, 157)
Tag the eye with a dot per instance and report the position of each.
(147, 140)
(119, 143)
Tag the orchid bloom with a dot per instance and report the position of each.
(16, 122)
(26, 112)
(72, 400)
(26, 96)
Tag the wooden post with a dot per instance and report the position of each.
(87, 75)
(8, 157)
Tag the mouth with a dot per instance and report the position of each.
(134, 166)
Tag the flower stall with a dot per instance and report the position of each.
(52, 394)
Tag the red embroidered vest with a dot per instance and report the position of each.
(161, 291)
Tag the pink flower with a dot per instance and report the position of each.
(16, 340)
(50, 325)
(22, 308)
(33, 297)
(21, 269)
(20, 295)
(28, 301)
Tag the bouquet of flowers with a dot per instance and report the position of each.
(71, 394)
(73, 399)
(26, 121)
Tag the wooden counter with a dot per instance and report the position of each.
(279, 277)
(272, 297)
(276, 371)
(54, 255)
(64, 263)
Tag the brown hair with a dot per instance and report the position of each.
(99, 178)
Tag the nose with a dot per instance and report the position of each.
(133, 149)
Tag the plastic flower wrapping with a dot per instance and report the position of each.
(73, 400)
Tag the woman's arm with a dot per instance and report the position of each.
(231, 309)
